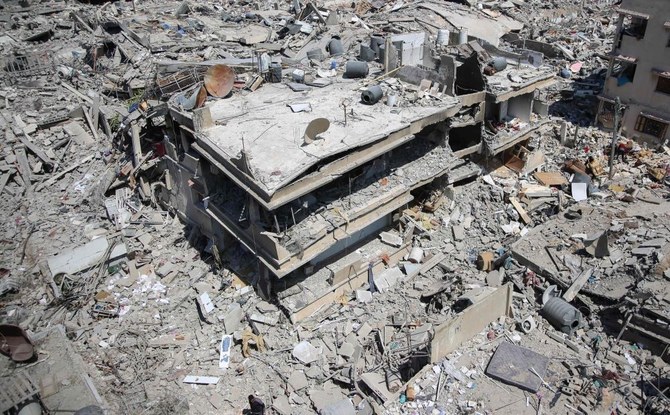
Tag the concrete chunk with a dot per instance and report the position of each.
(363, 296)
(495, 278)
(342, 407)
(459, 233)
(232, 318)
(385, 280)
(643, 251)
(298, 380)
(391, 239)
(282, 406)
(346, 350)
(75, 260)
(305, 352)
(322, 399)
(364, 330)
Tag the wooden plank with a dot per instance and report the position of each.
(432, 263)
(81, 22)
(427, 266)
(23, 166)
(35, 149)
(87, 117)
(577, 285)
(77, 93)
(53, 179)
(533, 190)
(550, 178)
(522, 212)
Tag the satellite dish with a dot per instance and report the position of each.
(219, 80)
(315, 127)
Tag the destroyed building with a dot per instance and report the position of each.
(299, 172)
(639, 72)
(374, 207)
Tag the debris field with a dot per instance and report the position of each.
(336, 208)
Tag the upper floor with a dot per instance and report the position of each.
(644, 31)
(640, 61)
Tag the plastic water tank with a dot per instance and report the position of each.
(499, 64)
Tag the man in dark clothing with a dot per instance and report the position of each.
(257, 406)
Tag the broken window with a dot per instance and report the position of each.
(663, 85)
(649, 126)
(634, 26)
(624, 71)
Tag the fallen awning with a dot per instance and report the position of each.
(655, 117)
(662, 73)
(633, 13)
(625, 58)
(606, 99)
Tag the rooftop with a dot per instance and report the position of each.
(517, 80)
(263, 125)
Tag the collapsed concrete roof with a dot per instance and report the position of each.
(263, 127)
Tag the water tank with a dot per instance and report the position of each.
(499, 64)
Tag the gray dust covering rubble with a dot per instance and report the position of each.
(353, 208)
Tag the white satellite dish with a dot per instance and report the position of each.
(315, 127)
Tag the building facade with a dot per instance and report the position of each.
(639, 72)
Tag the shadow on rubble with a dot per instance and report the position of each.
(578, 103)
(613, 325)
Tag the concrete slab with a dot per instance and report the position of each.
(274, 141)
(81, 258)
(298, 380)
(363, 296)
(385, 280)
(512, 364)
(323, 398)
(306, 353)
(459, 233)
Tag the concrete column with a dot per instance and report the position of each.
(564, 132)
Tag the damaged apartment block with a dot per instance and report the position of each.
(299, 173)
(335, 208)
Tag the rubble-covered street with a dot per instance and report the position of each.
(335, 208)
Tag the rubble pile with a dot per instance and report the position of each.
(506, 256)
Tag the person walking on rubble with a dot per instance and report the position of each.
(623, 148)
(257, 407)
